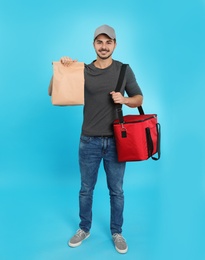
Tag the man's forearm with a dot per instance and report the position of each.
(134, 101)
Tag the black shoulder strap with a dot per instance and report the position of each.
(121, 77)
(118, 88)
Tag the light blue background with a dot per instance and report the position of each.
(163, 41)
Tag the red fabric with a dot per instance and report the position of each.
(134, 147)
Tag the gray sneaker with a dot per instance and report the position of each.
(78, 238)
(120, 243)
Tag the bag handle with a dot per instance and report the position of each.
(118, 88)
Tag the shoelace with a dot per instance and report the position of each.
(119, 238)
(80, 232)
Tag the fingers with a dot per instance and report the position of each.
(117, 97)
(66, 61)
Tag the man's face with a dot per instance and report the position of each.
(104, 46)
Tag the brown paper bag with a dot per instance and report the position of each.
(68, 84)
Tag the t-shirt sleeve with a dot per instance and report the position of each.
(132, 88)
(50, 87)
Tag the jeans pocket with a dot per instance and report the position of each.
(85, 139)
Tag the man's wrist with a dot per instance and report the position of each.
(126, 101)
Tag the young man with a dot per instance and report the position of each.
(97, 142)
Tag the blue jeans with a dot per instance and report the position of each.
(92, 151)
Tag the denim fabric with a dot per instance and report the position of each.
(92, 151)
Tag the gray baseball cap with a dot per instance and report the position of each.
(105, 29)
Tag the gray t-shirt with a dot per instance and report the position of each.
(99, 108)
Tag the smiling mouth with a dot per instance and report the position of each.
(102, 50)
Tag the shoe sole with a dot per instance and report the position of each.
(79, 243)
(121, 251)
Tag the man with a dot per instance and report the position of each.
(97, 142)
